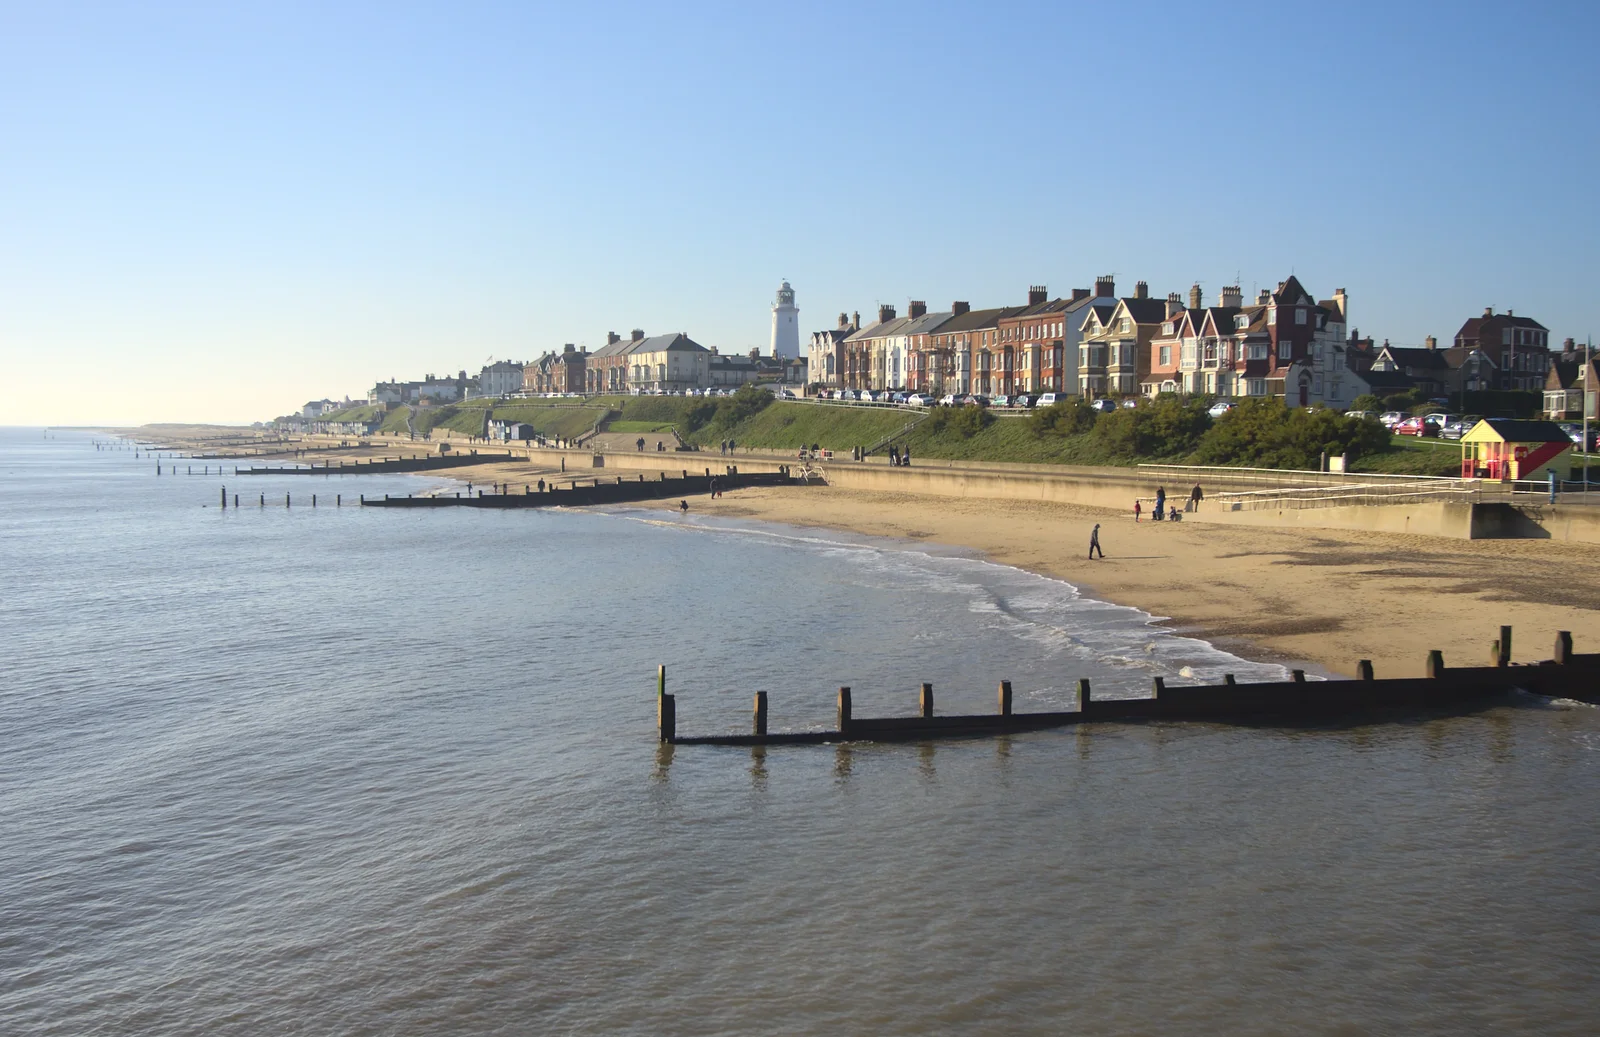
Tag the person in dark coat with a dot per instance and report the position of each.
(1094, 542)
(1195, 497)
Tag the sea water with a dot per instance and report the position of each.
(367, 771)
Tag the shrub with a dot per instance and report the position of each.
(1168, 426)
(1265, 433)
(965, 422)
(1367, 402)
(1068, 418)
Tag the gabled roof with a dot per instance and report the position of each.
(675, 343)
(1219, 319)
(1291, 293)
(882, 329)
(1568, 374)
(1509, 430)
(1416, 357)
(925, 324)
(1145, 311)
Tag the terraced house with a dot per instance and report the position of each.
(669, 363)
(1114, 356)
(941, 360)
(1027, 352)
(1285, 344)
(1518, 347)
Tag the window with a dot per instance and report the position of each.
(1166, 355)
(1285, 349)
(1166, 329)
(1126, 326)
(1256, 386)
(1241, 322)
(1299, 315)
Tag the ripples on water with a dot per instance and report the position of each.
(395, 772)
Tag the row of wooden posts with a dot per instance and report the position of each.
(1567, 674)
(288, 500)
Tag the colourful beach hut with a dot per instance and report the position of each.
(1506, 449)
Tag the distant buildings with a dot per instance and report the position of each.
(501, 378)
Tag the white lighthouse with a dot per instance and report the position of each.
(785, 325)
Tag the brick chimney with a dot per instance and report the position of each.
(1141, 290)
(1488, 311)
(755, 351)
(638, 335)
(1037, 294)
(885, 314)
(1264, 299)
(569, 348)
(1232, 296)
(612, 338)
(1195, 296)
(1105, 287)
(1079, 293)
(1342, 300)
(844, 321)
(1174, 304)
(1431, 342)
(958, 308)
(855, 319)
(917, 309)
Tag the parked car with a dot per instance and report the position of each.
(1001, 401)
(1574, 432)
(1104, 406)
(1414, 427)
(1459, 427)
(919, 399)
(1218, 409)
(1359, 415)
(1130, 402)
(1023, 400)
(947, 400)
(1390, 418)
(1439, 419)
(974, 400)
(1050, 399)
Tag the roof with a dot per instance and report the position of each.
(674, 343)
(879, 330)
(1568, 374)
(926, 323)
(1510, 430)
(1146, 311)
(1417, 356)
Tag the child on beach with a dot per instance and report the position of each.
(1136, 509)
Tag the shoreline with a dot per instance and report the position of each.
(1314, 598)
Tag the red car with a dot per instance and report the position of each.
(1414, 427)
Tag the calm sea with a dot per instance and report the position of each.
(334, 771)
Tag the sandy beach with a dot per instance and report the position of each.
(1324, 597)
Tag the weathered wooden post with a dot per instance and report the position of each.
(1005, 698)
(236, 502)
(1563, 648)
(1298, 676)
(1227, 678)
(224, 498)
(286, 501)
(1364, 670)
(313, 500)
(1157, 686)
(263, 500)
(760, 726)
(1435, 664)
(1502, 648)
(338, 500)
(1083, 695)
(927, 701)
(844, 710)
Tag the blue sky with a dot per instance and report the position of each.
(216, 212)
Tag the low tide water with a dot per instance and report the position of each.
(284, 770)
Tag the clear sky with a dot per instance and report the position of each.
(215, 212)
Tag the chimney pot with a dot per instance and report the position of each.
(917, 309)
(844, 320)
(1079, 293)
(885, 314)
(958, 308)
(612, 338)
(638, 335)
(1488, 311)
(1431, 342)
(1232, 296)
(1196, 297)
(1141, 290)
(1037, 294)
(1105, 287)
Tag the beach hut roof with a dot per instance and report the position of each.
(1509, 430)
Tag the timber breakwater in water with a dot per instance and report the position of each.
(613, 490)
(1443, 689)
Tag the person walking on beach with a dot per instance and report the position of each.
(683, 506)
(1094, 542)
(905, 458)
(1136, 509)
(1161, 501)
(1195, 497)
(541, 485)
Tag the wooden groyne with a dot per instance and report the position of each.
(614, 490)
(380, 465)
(1444, 689)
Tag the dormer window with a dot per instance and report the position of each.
(1166, 329)
(1241, 322)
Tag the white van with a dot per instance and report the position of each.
(1050, 399)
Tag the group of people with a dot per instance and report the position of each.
(728, 446)
(661, 446)
(899, 458)
(1160, 511)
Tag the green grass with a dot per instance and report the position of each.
(552, 420)
(1414, 455)
(395, 421)
(638, 426)
(789, 426)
